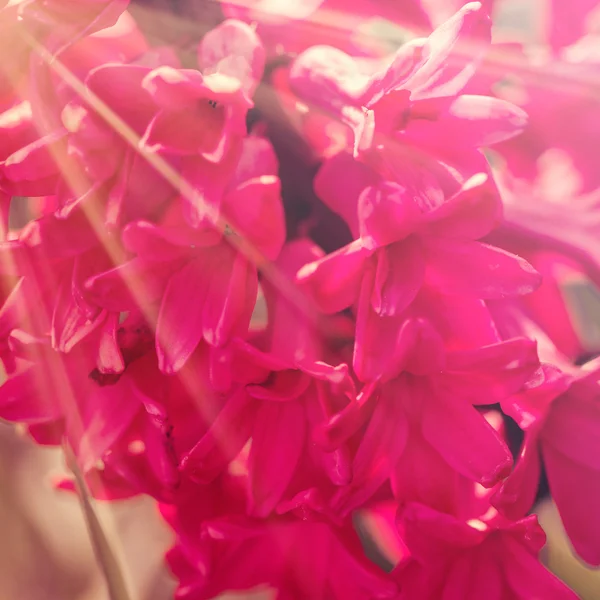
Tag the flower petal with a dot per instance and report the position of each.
(180, 320)
(278, 440)
(465, 440)
(461, 267)
(398, 277)
(233, 49)
(335, 279)
(452, 53)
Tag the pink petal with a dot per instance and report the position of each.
(472, 121)
(452, 53)
(233, 49)
(530, 406)
(117, 85)
(494, 372)
(381, 345)
(278, 440)
(403, 64)
(230, 299)
(255, 211)
(35, 161)
(381, 446)
(474, 269)
(285, 385)
(334, 280)
(110, 359)
(465, 440)
(472, 212)
(22, 399)
(135, 283)
(194, 130)
(516, 495)
(228, 434)
(575, 488)
(339, 183)
(428, 532)
(528, 578)
(69, 323)
(572, 427)
(387, 213)
(398, 277)
(179, 329)
(106, 414)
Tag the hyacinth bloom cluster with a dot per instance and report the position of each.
(172, 316)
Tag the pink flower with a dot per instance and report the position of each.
(561, 418)
(477, 559)
(297, 558)
(414, 99)
(426, 412)
(181, 268)
(287, 392)
(204, 112)
(406, 242)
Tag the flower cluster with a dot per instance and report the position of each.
(274, 370)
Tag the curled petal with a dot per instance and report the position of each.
(233, 49)
(461, 267)
(465, 440)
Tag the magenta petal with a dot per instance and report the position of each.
(516, 495)
(380, 348)
(339, 183)
(70, 324)
(130, 285)
(461, 267)
(528, 578)
(471, 213)
(402, 65)
(465, 440)
(387, 213)
(452, 53)
(575, 489)
(427, 531)
(473, 121)
(334, 280)
(494, 372)
(110, 359)
(106, 414)
(233, 49)
(380, 448)
(328, 77)
(398, 277)
(277, 442)
(572, 428)
(255, 211)
(228, 434)
(185, 131)
(22, 399)
(230, 300)
(36, 160)
(179, 325)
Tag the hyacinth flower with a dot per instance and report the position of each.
(425, 410)
(289, 391)
(560, 417)
(174, 263)
(403, 245)
(482, 558)
(166, 329)
(201, 115)
(415, 99)
(94, 411)
(219, 548)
